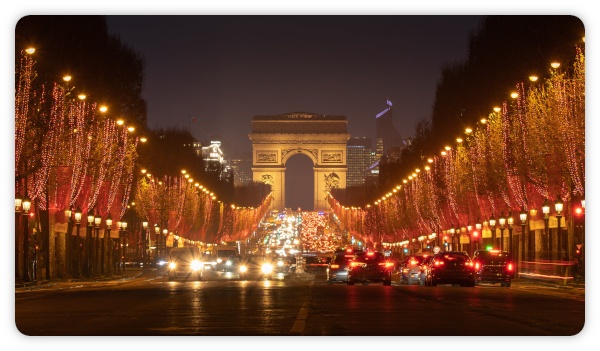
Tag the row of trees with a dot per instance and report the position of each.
(529, 150)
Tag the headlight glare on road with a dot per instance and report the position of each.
(243, 269)
(267, 268)
(196, 265)
(172, 265)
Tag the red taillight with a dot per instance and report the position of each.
(470, 263)
(437, 263)
(370, 253)
(413, 262)
(387, 264)
(477, 265)
(348, 250)
(354, 264)
(335, 266)
(510, 266)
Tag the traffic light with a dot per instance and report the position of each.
(578, 211)
(577, 250)
(445, 241)
(475, 234)
(405, 250)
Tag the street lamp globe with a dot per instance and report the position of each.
(90, 219)
(558, 204)
(523, 215)
(176, 237)
(452, 229)
(157, 229)
(583, 203)
(68, 212)
(546, 207)
(119, 225)
(469, 227)
(109, 221)
(165, 231)
(502, 219)
(18, 201)
(26, 204)
(97, 220)
(510, 218)
(78, 215)
(124, 225)
(145, 224)
(492, 221)
(478, 224)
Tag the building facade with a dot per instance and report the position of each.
(358, 159)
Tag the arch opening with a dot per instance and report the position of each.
(299, 182)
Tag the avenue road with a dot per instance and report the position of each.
(150, 305)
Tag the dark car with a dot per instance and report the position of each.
(493, 266)
(410, 268)
(255, 266)
(338, 267)
(185, 263)
(315, 264)
(370, 266)
(450, 267)
(423, 267)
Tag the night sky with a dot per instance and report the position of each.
(222, 70)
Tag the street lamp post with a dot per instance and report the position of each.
(452, 235)
(124, 225)
(502, 221)
(548, 237)
(99, 261)
(523, 218)
(478, 228)
(18, 202)
(558, 206)
(26, 207)
(157, 232)
(145, 255)
(109, 222)
(78, 240)
(69, 258)
(176, 242)
(510, 220)
(91, 264)
(469, 232)
(493, 225)
(163, 236)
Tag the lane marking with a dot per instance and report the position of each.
(300, 322)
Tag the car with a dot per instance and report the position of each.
(411, 268)
(493, 266)
(450, 267)
(423, 267)
(370, 267)
(184, 262)
(281, 265)
(315, 264)
(337, 271)
(255, 266)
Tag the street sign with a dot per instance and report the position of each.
(436, 249)
(579, 247)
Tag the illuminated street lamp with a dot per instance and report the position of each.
(493, 228)
(18, 202)
(547, 236)
(99, 265)
(510, 220)
(77, 241)
(30, 51)
(109, 222)
(523, 218)
(502, 221)
(67, 78)
(555, 65)
(533, 78)
(558, 206)
(89, 232)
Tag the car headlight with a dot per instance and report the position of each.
(219, 260)
(280, 263)
(267, 268)
(160, 263)
(228, 263)
(196, 265)
(207, 267)
(243, 269)
(172, 265)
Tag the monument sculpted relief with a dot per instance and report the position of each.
(266, 156)
(267, 179)
(331, 156)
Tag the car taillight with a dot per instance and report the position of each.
(354, 264)
(335, 266)
(470, 263)
(370, 253)
(510, 266)
(387, 264)
(348, 250)
(477, 265)
(413, 262)
(437, 263)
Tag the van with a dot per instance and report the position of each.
(185, 262)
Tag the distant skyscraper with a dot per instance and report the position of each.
(387, 137)
(358, 158)
(241, 163)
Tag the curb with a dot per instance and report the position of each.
(43, 283)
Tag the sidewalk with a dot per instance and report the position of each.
(553, 284)
(130, 274)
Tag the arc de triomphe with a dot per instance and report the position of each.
(322, 138)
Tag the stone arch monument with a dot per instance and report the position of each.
(322, 138)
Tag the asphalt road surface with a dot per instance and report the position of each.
(150, 305)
